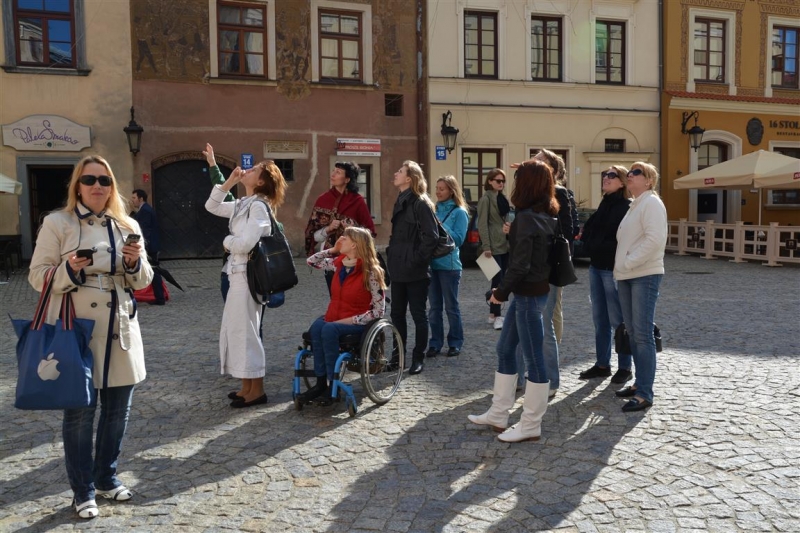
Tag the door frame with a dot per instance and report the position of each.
(734, 197)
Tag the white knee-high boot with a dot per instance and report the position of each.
(533, 409)
(502, 401)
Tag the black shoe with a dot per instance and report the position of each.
(453, 352)
(432, 352)
(238, 404)
(417, 364)
(314, 392)
(636, 405)
(595, 372)
(622, 376)
(627, 392)
(234, 395)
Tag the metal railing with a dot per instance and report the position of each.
(771, 244)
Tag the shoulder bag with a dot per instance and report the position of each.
(562, 271)
(55, 362)
(622, 341)
(270, 265)
(446, 244)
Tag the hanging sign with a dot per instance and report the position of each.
(359, 147)
(47, 133)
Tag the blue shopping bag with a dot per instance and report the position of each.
(55, 361)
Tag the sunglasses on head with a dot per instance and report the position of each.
(610, 174)
(635, 172)
(88, 179)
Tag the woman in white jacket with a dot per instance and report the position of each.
(240, 349)
(638, 269)
(95, 217)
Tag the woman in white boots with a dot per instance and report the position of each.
(527, 277)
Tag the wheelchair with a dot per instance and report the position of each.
(377, 354)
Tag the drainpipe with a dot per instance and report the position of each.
(422, 88)
(661, 89)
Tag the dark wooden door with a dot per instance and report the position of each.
(186, 229)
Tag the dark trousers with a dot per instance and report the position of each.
(412, 295)
(158, 281)
(502, 260)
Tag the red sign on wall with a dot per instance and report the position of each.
(708, 181)
(362, 147)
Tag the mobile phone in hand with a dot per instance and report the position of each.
(132, 238)
(86, 253)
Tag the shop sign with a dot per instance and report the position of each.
(47, 133)
(358, 147)
(791, 128)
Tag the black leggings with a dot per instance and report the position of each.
(414, 295)
(502, 260)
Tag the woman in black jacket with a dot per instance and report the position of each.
(414, 237)
(600, 240)
(530, 238)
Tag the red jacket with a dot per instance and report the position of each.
(350, 299)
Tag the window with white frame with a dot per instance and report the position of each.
(341, 42)
(242, 39)
(610, 52)
(480, 44)
(784, 57)
(787, 197)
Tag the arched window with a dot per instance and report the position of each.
(711, 153)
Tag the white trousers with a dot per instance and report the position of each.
(241, 353)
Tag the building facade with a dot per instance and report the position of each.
(301, 83)
(580, 78)
(731, 67)
(65, 92)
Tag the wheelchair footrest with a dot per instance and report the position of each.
(308, 373)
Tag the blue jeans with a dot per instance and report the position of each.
(325, 344)
(444, 287)
(523, 327)
(550, 342)
(607, 315)
(638, 297)
(84, 473)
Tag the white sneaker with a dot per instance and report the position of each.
(491, 319)
(498, 322)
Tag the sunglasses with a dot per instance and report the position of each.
(499, 181)
(611, 175)
(635, 172)
(88, 179)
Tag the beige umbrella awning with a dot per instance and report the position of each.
(9, 186)
(738, 173)
(787, 177)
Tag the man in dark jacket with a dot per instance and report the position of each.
(146, 217)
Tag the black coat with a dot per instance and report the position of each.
(530, 239)
(599, 236)
(415, 235)
(567, 213)
(146, 217)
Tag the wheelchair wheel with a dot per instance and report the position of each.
(307, 363)
(381, 361)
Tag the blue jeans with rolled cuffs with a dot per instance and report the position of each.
(607, 315)
(444, 289)
(86, 474)
(523, 326)
(638, 297)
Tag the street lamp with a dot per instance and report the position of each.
(134, 133)
(449, 133)
(695, 133)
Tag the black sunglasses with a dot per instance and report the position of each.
(88, 179)
(499, 181)
(610, 174)
(635, 172)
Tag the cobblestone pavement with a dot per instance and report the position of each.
(719, 450)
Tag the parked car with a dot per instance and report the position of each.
(579, 252)
(472, 244)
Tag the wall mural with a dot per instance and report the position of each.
(390, 71)
(170, 40)
(293, 48)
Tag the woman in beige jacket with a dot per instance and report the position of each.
(95, 219)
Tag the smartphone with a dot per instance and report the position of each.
(132, 238)
(86, 253)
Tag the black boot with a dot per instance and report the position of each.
(417, 363)
(314, 392)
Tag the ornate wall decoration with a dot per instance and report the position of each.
(733, 5)
(755, 131)
(762, 56)
(684, 44)
(170, 40)
(750, 92)
(391, 68)
(738, 46)
(711, 88)
(293, 54)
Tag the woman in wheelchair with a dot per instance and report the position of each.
(357, 298)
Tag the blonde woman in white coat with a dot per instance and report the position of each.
(95, 218)
(240, 349)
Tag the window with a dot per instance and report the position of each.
(615, 145)
(286, 166)
(476, 164)
(393, 105)
(784, 57)
(44, 31)
(788, 196)
(242, 39)
(711, 153)
(709, 50)
(563, 154)
(363, 183)
(340, 45)
(546, 49)
(610, 52)
(480, 44)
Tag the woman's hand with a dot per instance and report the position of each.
(78, 263)
(209, 153)
(233, 179)
(333, 226)
(131, 254)
(493, 300)
(506, 227)
(337, 248)
(488, 253)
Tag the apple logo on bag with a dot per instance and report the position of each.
(47, 368)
